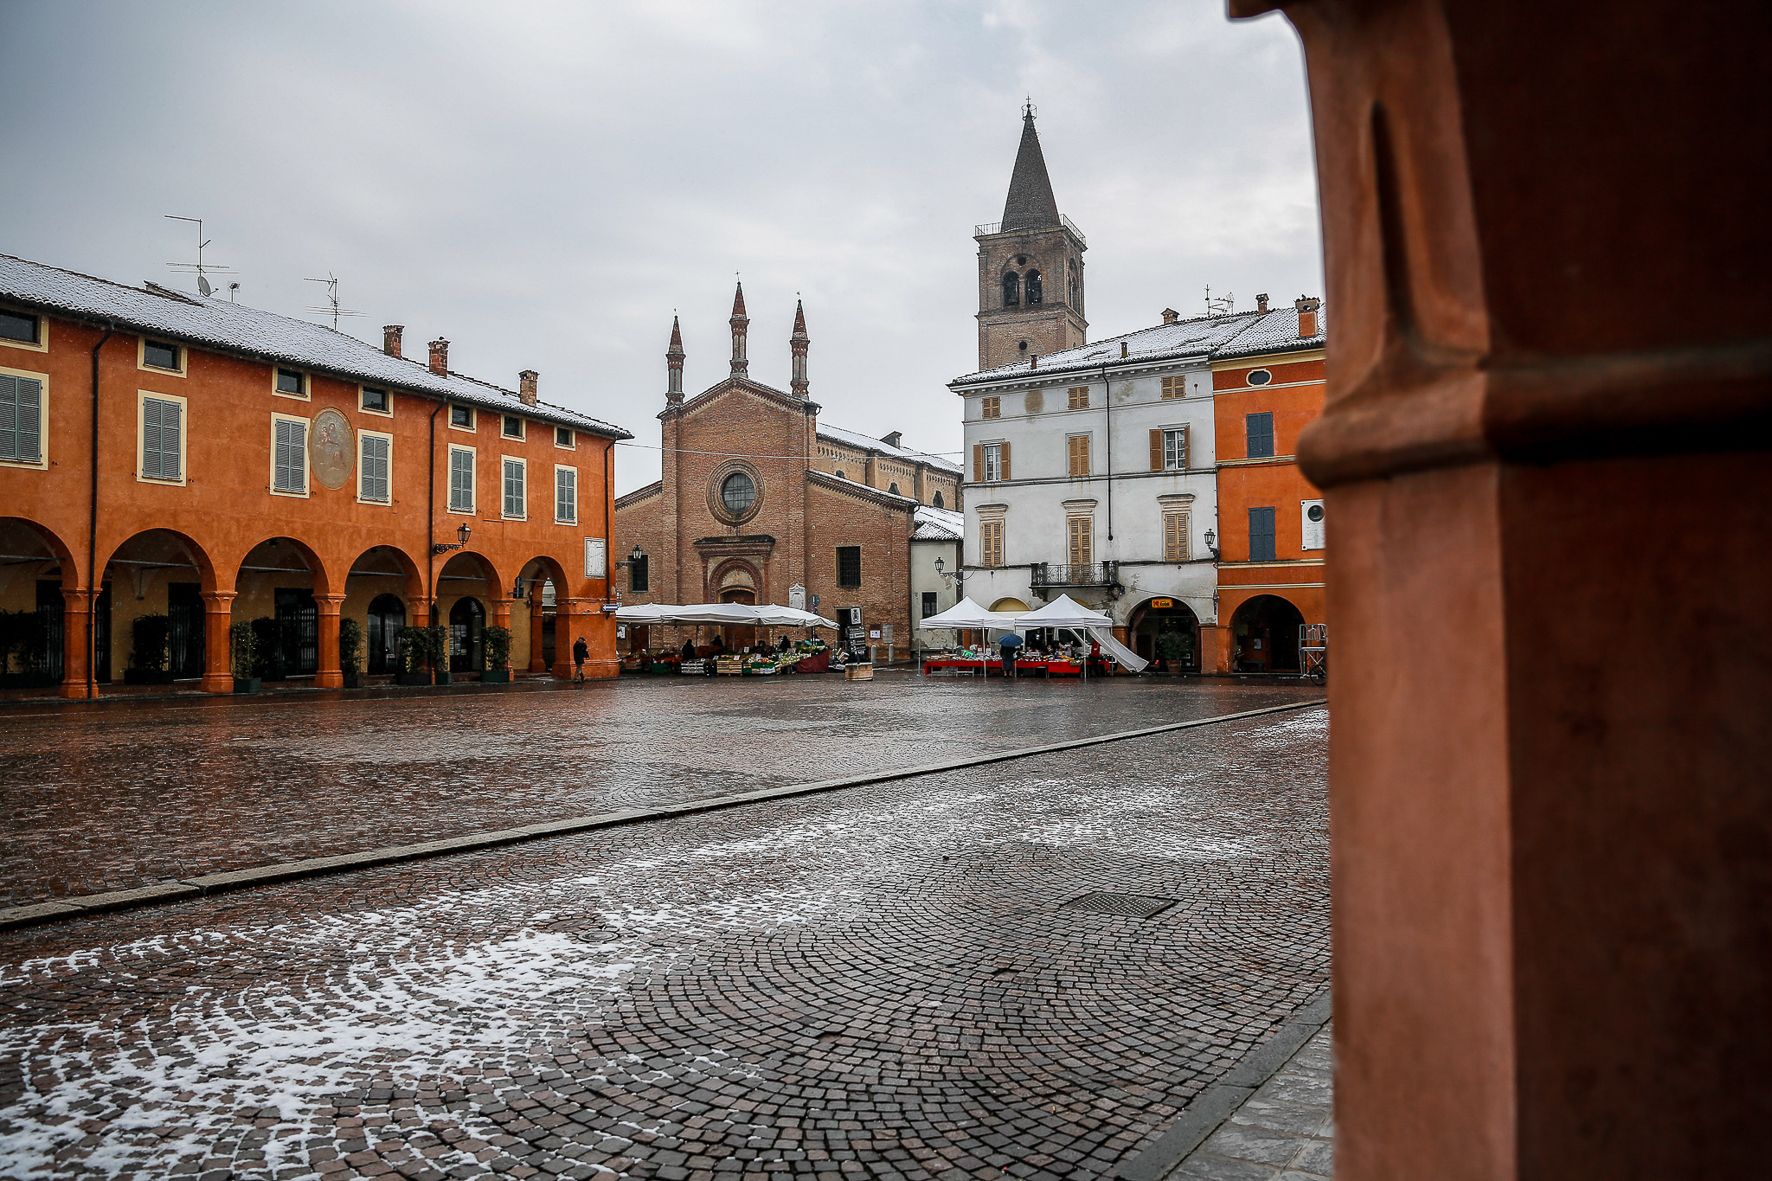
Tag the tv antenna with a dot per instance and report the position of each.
(330, 307)
(1223, 305)
(199, 267)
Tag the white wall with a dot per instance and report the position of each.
(1034, 520)
(924, 578)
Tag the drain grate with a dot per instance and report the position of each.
(1127, 906)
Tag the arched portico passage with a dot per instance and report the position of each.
(470, 575)
(282, 591)
(43, 625)
(1264, 636)
(536, 613)
(381, 587)
(1156, 618)
(152, 616)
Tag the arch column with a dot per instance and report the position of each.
(537, 661)
(76, 651)
(218, 642)
(568, 619)
(1215, 649)
(329, 675)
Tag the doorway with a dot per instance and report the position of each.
(467, 636)
(387, 615)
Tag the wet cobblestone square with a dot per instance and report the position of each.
(882, 981)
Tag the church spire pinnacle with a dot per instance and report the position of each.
(1030, 205)
(674, 364)
(797, 345)
(741, 365)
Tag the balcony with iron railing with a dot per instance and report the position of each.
(1049, 574)
(994, 227)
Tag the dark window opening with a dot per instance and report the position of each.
(376, 400)
(1036, 292)
(20, 327)
(291, 381)
(639, 574)
(894, 488)
(513, 427)
(849, 566)
(1011, 290)
(928, 605)
(937, 501)
(461, 416)
(563, 436)
(160, 354)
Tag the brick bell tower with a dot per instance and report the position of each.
(1030, 267)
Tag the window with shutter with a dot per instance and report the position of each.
(1176, 544)
(565, 496)
(21, 419)
(374, 467)
(1077, 398)
(990, 406)
(1259, 433)
(1174, 387)
(1003, 455)
(990, 543)
(992, 462)
(516, 489)
(1081, 535)
(289, 456)
(461, 479)
(162, 439)
(1261, 534)
(1078, 451)
(1175, 449)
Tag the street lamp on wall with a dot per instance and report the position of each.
(462, 533)
(957, 579)
(635, 556)
(1212, 543)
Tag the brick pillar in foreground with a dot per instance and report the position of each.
(218, 642)
(76, 617)
(1550, 749)
(329, 675)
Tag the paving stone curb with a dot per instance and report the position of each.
(186, 889)
(1171, 1146)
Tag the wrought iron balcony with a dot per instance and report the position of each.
(1092, 574)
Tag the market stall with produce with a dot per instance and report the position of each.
(762, 660)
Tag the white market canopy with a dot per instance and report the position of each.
(1062, 612)
(721, 613)
(968, 614)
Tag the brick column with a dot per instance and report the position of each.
(1548, 779)
(76, 616)
(537, 643)
(218, 647)
(1215, 648)
(329, 675)
(566, 624)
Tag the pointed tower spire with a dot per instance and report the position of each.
(797, 344)
(674, 365)
(1031, 205)
(741, 323)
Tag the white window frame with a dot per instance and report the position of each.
(504, 486)
(388, 438)
(1186, 446)
(307, 477)
(993, 462)
(141, 436)
(362, 390)
(307, 384)
(141, 356)
(558, 519)
(473, 482)
(571, 443)
(504, 420)
(473, 426)
(42, 379)
(42, 345)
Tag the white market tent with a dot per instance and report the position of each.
(721, 613)
(969, 615)
(1062, 612)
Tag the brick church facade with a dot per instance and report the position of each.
(757, 497)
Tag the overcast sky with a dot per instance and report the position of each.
(545, 183)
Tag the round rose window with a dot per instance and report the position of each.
(738, 493)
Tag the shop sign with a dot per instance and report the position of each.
(1162, 604)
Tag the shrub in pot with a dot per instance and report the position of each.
(268, 649)
(350, 652)
(148, 637)
(498, 656)
(243, 654)
(1172, 651)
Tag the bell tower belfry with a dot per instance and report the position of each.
(1030, 267)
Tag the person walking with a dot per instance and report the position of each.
(1007, 646)
(581, 652)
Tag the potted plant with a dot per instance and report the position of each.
(498, 656)
(350, 652)
(1172, 651)
(413, 643)
(437, 650)
(267, 649)
(243, 651)
(147, 657)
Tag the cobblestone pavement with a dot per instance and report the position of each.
(1283, 1132)
(126, 794)
(883, 981)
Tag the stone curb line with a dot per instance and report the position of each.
(1222, 1099)
(238, 879)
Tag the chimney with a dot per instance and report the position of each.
(1124, 351)
(390, 338)
(895, 439)
(526, 386)
(1307, 316)
(1033, 360)
(1171, 316)
(1261, 302)
(440, 357)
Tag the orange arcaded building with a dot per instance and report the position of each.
(1271, 543)
(171, 455)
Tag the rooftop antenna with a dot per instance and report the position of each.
(1223, 305)
(199, 266)
(330, 307)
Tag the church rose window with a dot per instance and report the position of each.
(738, 494)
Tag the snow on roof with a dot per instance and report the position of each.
(938, 524)
(853, 439)
(848, 485)
(1206, 337)
(237, 328)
